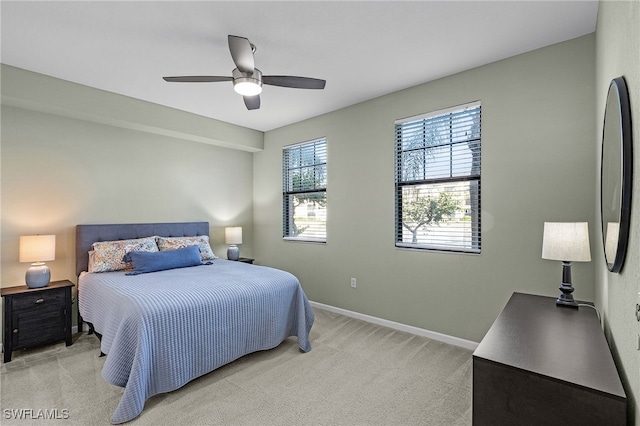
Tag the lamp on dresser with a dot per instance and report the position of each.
(567, 242)
(37, 249)
(233, 236)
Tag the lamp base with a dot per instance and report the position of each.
(38, 275)
(233, 253)
(566, 298)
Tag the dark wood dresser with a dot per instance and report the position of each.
(542, 364)
(35, 316)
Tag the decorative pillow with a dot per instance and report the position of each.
(145, 262)
(173, 243)
(108, 255)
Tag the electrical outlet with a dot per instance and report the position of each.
(353, 283)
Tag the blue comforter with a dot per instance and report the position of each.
(164, 329)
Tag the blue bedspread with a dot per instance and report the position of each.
(164, 329)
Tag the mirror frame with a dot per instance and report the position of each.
(621, 116)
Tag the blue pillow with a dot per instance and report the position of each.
(144, 262)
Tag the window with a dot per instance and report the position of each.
(438, 180)
(304, 191)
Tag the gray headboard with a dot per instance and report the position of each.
(89, 234)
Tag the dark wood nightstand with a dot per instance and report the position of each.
(246, 260)
(35, 316)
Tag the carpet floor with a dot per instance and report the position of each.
(357, 373)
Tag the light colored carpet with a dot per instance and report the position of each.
(356, 374)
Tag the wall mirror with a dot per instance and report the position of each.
(615, 175)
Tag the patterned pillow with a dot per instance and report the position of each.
(107, 255)
(173, 243)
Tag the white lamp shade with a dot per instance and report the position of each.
(233, 235)
(567, 241)
(37, 248)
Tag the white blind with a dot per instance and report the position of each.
(438, 165)
(304, 186)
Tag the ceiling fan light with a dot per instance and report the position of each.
(247, 86)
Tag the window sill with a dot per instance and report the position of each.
(305, 240)
(429, 249)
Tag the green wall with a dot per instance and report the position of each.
(537, 166)
(618, 54)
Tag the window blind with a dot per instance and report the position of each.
(304, 187)
(438, 168)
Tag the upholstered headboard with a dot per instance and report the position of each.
(89, 234)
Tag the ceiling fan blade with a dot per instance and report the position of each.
(252, 102)
(294, 82)
(197, 79)
(242, 53)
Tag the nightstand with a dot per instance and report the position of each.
(35, 316)
(246, 260)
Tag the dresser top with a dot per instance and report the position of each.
(533, 334)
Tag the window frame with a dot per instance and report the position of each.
(287, 191)
(473, 177)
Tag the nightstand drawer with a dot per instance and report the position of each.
(38, 300)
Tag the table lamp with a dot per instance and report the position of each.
(233, 236)
(567, 242)
(37, 249)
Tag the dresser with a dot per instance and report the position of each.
(35, 316)
(542, 364)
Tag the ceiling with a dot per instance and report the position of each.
(362, 49)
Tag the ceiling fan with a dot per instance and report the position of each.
(247, 79)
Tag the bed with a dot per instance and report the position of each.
(162, 329)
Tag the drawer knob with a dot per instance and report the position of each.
(15, 331)
(39, 301)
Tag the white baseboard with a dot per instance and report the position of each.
(445, 338)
